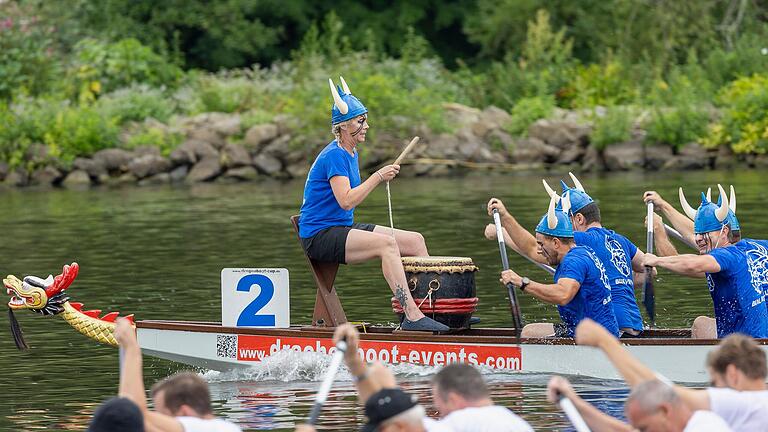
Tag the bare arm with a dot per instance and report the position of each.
(348, 197)
(490, 234)
(132, 381)
(525, 241)
(662, 243)
(590, 333)
(367, 380)
(688, 264)
(595, 419)
(678, 220)
(559, 293)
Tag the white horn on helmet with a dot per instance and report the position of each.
(689, 211)
(344, 85)
(732, 200)
(551, 216)
(566, 202)
(722, 212)
(549, 190)
(709, 194)
(340, 104)
(576, 183)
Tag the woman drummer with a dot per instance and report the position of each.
(331, 193)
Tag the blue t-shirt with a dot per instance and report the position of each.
(738, 289)
(593, 300)
(320, 210)
(616, 253)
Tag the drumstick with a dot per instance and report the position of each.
(406, 150)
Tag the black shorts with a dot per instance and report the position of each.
(329, 245)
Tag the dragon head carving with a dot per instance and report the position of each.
(44, 296)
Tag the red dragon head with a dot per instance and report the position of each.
(44, 296)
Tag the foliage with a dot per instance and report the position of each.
(607, 84)
(79, 131)
(613, 127)
(135, 103)
(744, 122)
(157, 137)
(527, 111)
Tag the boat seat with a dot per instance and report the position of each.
(328, 310)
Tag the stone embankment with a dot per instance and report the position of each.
(216, 147)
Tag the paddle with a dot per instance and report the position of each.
(648, 295)
(514, 307)
(572, 413)
(406, 150)
(325, 387)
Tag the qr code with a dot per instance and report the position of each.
(226, 346)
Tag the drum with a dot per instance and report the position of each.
(442, 287)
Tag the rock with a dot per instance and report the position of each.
(36, 153)
(267, 164)
(77, 178)
(207, 169)
(278, 148)
(461, 115)
(443, 146)
(191, 151)
(235, 155)
(145, 151)
(124, 179)
(46, 176)
(501, 140)
(298, 170)
(592, 160)
(559, 133)
(532, 150)
(482, 127)
(656, 156)
(469, 144)
(18, 177)
(246, 173)
(259, 136)
(179, 173)
(113, 160)
(693, 156)
(157, 179)
(3, 170)
(228, 126)
(94, 168)
(148, 165)
(724, 157)
(624, 156)
(571, 154)
(497, 115)
(209, 136)
(286, 123)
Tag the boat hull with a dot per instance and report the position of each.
(211, 346)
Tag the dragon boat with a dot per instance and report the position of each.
(210, 345)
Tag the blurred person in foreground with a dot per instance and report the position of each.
(737, 369)
(117, 415)
(182, 401)
(459, 393)
(652, 406)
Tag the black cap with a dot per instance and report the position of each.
(117, 415)
(385, 404)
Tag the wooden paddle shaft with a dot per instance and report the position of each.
(407, 149)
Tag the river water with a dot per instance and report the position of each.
(158, 253)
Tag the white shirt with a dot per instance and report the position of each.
(742, 410)
(194, 424)
(708, 421)
(430, 425)
(492, 418)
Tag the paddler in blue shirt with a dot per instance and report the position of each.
(581, 288)
(620, 257)
(333, 190)
(736, 271)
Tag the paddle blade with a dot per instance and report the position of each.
(649, 300)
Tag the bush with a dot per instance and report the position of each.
(79, 131)
(23, 123)
(155, 137)
(614, 127)
(526, 111)
(744, 122)
(676, 126)
(136, 103)
(608, 84)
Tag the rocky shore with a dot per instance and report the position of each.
(217, 147)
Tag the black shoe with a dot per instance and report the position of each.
(424, 324)
(474, 320)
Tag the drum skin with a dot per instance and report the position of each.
(447, 278)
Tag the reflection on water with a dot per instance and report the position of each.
(158, 253)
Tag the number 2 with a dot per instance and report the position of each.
(249, 316)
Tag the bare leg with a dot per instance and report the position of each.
(538, 330)
(704, 328)
(364, 246)
(410, 243)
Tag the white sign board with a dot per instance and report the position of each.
(255, 297)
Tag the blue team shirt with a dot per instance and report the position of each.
(738, 290)
(593, 300)
(616, 253)
(320, 210)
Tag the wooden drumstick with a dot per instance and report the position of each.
(406, 150)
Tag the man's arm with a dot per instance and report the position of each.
(490, 234)
(560, 293)
(595, 419)
(132, 380)
(590, 333)
(525, 241)
(367, 380)
(662, 243)
(678, 220)
(687, 265)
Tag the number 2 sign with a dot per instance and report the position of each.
(255, 297)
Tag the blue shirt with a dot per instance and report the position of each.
(738, 289)
(320, 209)
(616, 253)
(593, 300)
